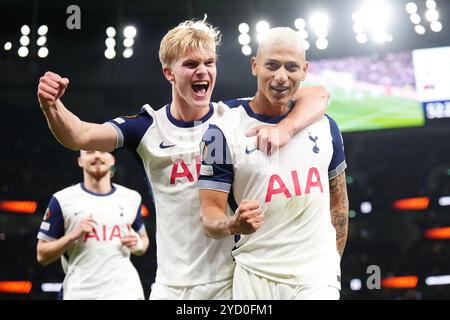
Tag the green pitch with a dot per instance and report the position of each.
(359, 110)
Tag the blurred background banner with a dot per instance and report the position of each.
(386, 64)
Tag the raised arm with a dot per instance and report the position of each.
(67, 128)
(339, 209)
(218, 224)
(311, 103)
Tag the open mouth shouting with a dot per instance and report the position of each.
(200, 87)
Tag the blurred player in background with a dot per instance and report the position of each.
(166, 142)
(93, 227)
(290, 246)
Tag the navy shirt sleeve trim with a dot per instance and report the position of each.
(131, 129)
(217, 164)
(52, 226)
(337, 163)
(213, 185)
(138, 224)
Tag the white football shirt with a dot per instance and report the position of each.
(98, 266)
(168, 151)
(297, 241)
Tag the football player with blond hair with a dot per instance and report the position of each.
(166, 142)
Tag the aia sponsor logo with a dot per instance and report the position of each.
(277, 186)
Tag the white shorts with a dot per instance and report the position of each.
(249, 286)
(220, 290)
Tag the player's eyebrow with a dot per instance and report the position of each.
(292, 63)
(190, 60)
(272, 61)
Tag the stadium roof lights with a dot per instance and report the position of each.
(25, 30)
(23, 52)
(129, 32)
(7, 46)
(111, 32)
(43, 52)
(300, 23)
(42, 31)
(246, 50)
(411, 7)
(436, 26)
(243, 27)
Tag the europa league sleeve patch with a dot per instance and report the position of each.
(206, 170)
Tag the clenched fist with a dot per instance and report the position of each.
(86, 225)
(248, 217)
(51, 88)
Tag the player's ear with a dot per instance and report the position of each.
(167, 71)
(80, 162)
(254, 66)
(305, 70)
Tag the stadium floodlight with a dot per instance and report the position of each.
(42, 31)
(129, 32)
(303, 33)
(355, 284)
(300, 23)
(262, 26)
(25, 30)
(42, 52)
(41, 41)
(110, 42)
(127, 53)
(432, 15)
(22, 52)
(378, 36)
(7, 46)
(319, 22)
(111, 32)
(321, 33)
(246, 50)
(420, 29)
(261, 36)
(244, 39)
(366, 207)
(306, 44)
(436, 26)
(411, 7)
(415, 18)
(361, 38)
(431, 4)
(24, 41)
(243, 27)
(375, 16)
(110, 53)
(128, 42)
(322, 43)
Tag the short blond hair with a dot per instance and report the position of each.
(188, 36)
(283, 35)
